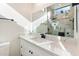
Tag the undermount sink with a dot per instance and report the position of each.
(56, 47)
(43, 40)
(37, 39)
(40, 40)
(51, 45)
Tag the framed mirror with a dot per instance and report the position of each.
(59, 21)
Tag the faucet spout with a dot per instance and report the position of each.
(43, 36)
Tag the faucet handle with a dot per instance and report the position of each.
(43, 36)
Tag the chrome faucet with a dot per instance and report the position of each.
(43, 36)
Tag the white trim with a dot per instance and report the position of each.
(4, 43)
(37, 22)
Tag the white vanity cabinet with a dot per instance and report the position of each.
(29, 49)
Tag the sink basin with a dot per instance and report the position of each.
(38, 40)
(51, 45)
(55, 47)
(41, 40)
(48, 39)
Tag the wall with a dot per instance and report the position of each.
(24, 9)
(9, 12)
(9, 31)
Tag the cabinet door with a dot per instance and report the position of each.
(27, 49)
(24, 51)
(38, 51)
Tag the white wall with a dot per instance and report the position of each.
(9, 31)
(9, 12)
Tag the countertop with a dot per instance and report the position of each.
(59, 47)
(72, 46)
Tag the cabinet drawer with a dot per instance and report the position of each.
(27, 49)
(25, 52)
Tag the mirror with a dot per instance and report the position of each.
(60, 21)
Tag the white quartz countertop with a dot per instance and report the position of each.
(71, 46)
(61, 48)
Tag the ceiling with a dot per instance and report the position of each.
(28, 9)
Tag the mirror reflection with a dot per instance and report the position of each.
(60, 21)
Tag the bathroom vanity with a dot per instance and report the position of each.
(32, 48)
(59, 30)
(36, 46)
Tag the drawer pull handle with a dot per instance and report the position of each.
(31, 52)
